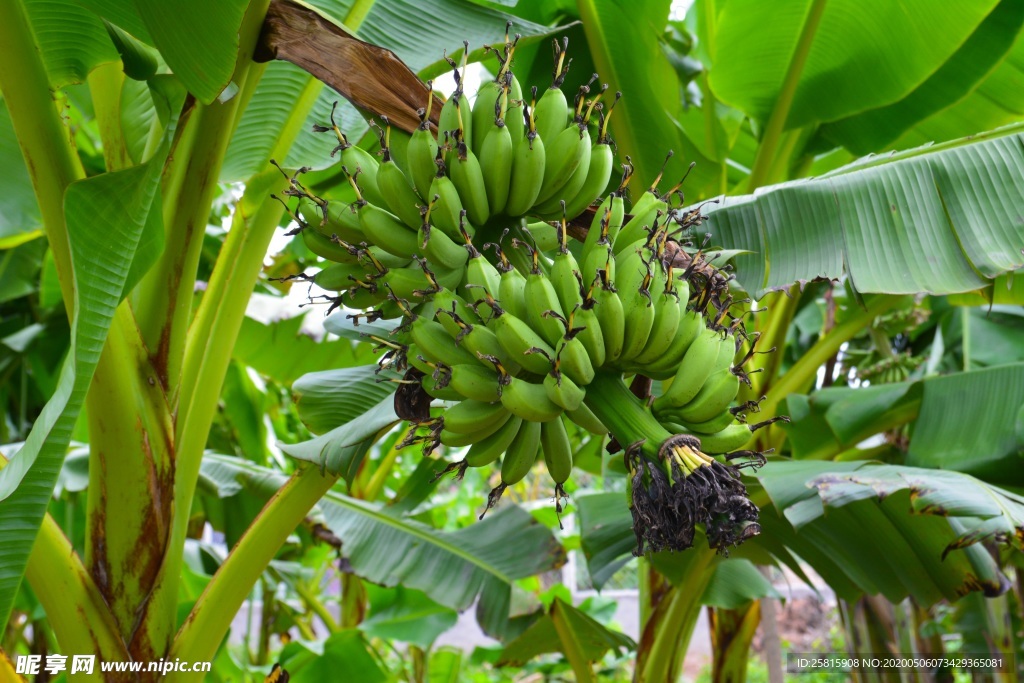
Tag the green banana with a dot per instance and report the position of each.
(528, 400)
(447, 212)
(439, 248)
(540, 297)
(520, 341)
(552, 110)
(563, 157)
(399, 196)
(714, 397)
(691, 326)
(327, 248)
(339, 276)
(521, 454)
(543, 234)
(468, 177)
(669, 308)
(527, 178)
(457, 439)
(695, 368)
(342, 220)
(496, 156)
(564, 271)
(511, 287)
(422, 150)
(554, 441)
(611, 316)
(584, 417)
(475, 382)
(437, 345)
(469, 417)
(602, 159)
(563, 391)
(572, 359)
(387, 231)
(730, 439)
(712, 426)
(486, 451)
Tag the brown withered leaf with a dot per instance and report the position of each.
(372, 78)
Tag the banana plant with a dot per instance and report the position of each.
(125, 229)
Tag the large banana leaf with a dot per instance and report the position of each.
(997, 101)
(960, 203)
(124, 204)
(19, 211)
(624, 42)
(836, 419)
(901, 531)
(383, 546)
(981, 53)
(72, 40)
(851, 65)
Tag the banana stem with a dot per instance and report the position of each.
(624, 415)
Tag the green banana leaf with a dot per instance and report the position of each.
(567, 630)
(971, 64)
(125, 204)
(456, 568)
(899, 531)
(850, 67)
(836, 419)
(331, 398)
(20, 220)
(959, 202)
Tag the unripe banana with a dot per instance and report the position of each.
(584, 417)
(448, 301)
(421, 152)
(457, 439)
(342, 220)
(469, 417)
(574, 361)
(511, 288)
(496, 154)
(483, 112)
(439, 248)
(543, 234)
(695, 368)
(590, 336)
(563, 157)
(540, 298)
(386, 231)
(437, 345)
(552, 110)
(339, 276)
(599, 171)
(399, 195)
(528, 161)
(327, 248)
(468, 177)
(563, 391)
(528, 400)
(447, 210)
(475, 382)
(357, 161)
(515, 117)
(714, 397)
(564, 271)
(691, 325)
(480, 341)
(612, 318)
(712, 426)
(521, 454)
(640, 224)
(521, 342)
(668, 314)
(730, 439)
(552, 113)
(554, 441)
(638, 304)
(482, 281)
(485, 452)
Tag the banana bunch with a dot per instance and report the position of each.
(521, 335)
